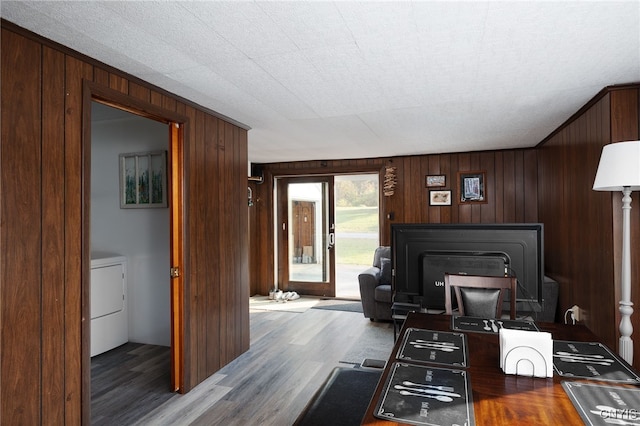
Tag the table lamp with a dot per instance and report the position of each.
(619, 170)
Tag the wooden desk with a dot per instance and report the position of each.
(499, 398)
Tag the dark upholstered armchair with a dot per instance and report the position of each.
(375, 286)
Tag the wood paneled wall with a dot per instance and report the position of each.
(583, 227)
(549, 184)
(44, 242)
(511, 189)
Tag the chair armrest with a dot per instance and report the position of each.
(369, 279)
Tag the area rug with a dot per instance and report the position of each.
(263, 303)
(339, 305)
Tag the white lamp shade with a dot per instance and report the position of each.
(619, 167)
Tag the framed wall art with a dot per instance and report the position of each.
(431, 181)
(471, 187)
(143, 180)
(440, 198)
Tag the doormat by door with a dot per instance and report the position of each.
(339, 305)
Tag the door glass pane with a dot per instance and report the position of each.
(307, 232)
(357, 229)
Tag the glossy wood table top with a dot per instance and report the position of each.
(498, 398)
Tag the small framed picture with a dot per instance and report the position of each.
(431, 181)
(440, 198)
(143, 180)
(471, 187)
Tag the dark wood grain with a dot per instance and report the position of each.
(509, 187)
(76, 243)
(624, 115)
(193, 192)
(530, 188)
(21, 243)
(53, 287)
(47, 91)
(118, 83)
(582, 226)
(499, 398)
(198, 301)
(511, 184)
(488, 208)
(214, 268)
(143, 93)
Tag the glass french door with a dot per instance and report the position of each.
(306, 235)
(357, 219)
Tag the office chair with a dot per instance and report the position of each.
(479, 296)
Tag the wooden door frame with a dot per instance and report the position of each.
(176, 201)
(177, 127)
(321, 289)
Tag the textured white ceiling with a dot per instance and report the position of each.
(326, 80)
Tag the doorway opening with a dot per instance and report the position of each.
(135, 168)
(357, 199)
(328, 229)
(305, 243)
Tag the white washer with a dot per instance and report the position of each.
(109, 319)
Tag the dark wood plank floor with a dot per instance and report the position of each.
(290, 357)
(129, 382)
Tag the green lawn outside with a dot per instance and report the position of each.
(356, 251)
(357, 219)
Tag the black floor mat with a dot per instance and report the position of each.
(342, 400)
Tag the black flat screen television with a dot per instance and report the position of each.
(423, 253)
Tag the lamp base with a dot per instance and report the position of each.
(626, 349)
(625, 305)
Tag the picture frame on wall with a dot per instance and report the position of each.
(440, 198)
(143, 180)
(471, 187)
(431, 181)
